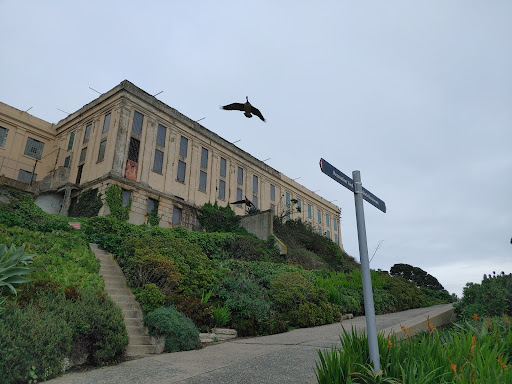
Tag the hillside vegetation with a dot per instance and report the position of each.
(214, 278)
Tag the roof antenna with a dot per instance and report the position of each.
(96, 91)
(29, 109)
(64, 111)
(157, 93)
(202, 118)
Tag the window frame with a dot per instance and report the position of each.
(4, 132)
(35, 144)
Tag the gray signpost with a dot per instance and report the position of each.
(361, 193)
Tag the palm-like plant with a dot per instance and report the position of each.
(13, 265)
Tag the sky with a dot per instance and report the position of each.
(416, 95)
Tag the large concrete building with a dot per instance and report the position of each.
(155, 154)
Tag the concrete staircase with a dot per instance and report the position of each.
(140, 343)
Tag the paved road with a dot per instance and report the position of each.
(283, 358)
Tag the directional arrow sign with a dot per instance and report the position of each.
(348, 183)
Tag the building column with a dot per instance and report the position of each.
(66, 202)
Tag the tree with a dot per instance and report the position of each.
(416, 275)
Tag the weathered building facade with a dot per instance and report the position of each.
(156, 155)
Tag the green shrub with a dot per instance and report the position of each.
(153, 268)
(88, 204)
(180, 332)
(31, 337)
(218, 219)
(195, 309)
(221, 316)
(301, 302)
(149, 297)
(493, 297)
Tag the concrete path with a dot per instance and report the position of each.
(283, 358)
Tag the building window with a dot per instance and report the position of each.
(151, 205)
(287, 199)
(336, 238)
(299, 205)
(3, 136)
(71, 140)
(34, 148)
(106, 123)
(176, 216)
(138, 119)
(160, 135)
(327, 220)
(202, 181)
(83, 154)
(328, 234)
(255, 201)
(222, 189)
(101, 153)
(66, 161)
(272, 192)
(240, 176)
(126, 197)
(181, 171)
(238, 195)
(255, 185)
(79, 174)
(204, 158)
(183, 146)
(334, 223)
(87, 134)
(133, 151)
(319, 230)
(319, 216)
(222, 167)
(309, 211)
(26, 177)
(159, 161)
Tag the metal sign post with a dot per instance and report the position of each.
(361, 194)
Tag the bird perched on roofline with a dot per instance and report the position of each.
(247, 108)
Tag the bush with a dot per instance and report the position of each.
(195, 309)
(180, 332)
(218, 219)
(149, 297)
(114, 199)
(301, 302)
(88, 204)
(493, 297)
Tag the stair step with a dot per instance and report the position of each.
(135, 350)
(122, 299)
(120, 284)
(140, 340)
(136, 330)
(117, 291)
(131, 313)
(134, 321)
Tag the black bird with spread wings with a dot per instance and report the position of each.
(247, 108)
(245, 201)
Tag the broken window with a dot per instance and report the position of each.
(133, 151)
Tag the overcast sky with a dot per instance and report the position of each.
(417, 95)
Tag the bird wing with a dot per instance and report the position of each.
(239, 202)
(234, 106)
(256, 111)
(249, 203)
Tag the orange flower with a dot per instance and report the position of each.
(489, 324)
(475, 316)
(500, 362)
(390, 345)
(431, 326)
(473, 346)
(407, 330)
(507, 321)
(454, 366)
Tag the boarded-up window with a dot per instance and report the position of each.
(138, 119)
(222, 189)
(126, 197)
(87, 134)
(159, 161)
(106, 123)
(101, 153)
(3, 136)
(26, 177)
(202, 181)
(181, 171)
(183, 146)
(176, 216)
(160, 135)
(222, 167)
(34, 148)
(133, 151)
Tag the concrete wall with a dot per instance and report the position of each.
(50, 203)
(260, 224)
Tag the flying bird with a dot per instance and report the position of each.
(247, 108)
(245, 201)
